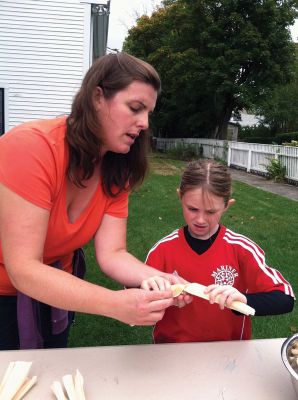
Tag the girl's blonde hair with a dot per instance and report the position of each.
(210, 175)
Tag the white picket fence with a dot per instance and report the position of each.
(252, 157)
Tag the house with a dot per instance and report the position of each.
(46, 46)
(244, 119)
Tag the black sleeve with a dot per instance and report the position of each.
(270, 303)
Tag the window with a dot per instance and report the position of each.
(100, 26)
(96, 28)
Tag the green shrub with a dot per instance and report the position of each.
(260, 139)
(263, 134)
(247, 133)
(292, 143)
(276, 170)
(286, 137)
(184, 152)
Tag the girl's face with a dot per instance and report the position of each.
(124, 116)
(202, 212)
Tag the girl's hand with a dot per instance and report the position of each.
(224, 295)
(164, 283)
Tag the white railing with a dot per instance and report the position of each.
(253, 157)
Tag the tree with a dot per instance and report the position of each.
(214, 57)
(280, 107)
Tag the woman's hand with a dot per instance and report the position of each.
(224, 295)
(164, 282)
(156, 283)
(142, 307)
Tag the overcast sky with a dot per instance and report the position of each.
(123, 16)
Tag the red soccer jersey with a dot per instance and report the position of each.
(234, 260)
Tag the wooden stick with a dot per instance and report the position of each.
(177, 289)
(25, 388)
(79, 386)
(6, 375)
(196, 289)
(69, 387)
(58, 390)
(74, 387)
(14, 380)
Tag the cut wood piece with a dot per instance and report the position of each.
(197, 289)
(293, 361)
(79, 386)
(294, 351)
(69, 387)
(16, 377)
(177, 289)
(74, 387)
(27, 385)
(58, 390)
(6, 375)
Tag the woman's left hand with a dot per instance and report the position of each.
(224, 295)
(164, 283)
(156, 283)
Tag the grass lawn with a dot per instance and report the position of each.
(268, 219)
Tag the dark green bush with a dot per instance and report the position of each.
(184, 152)
(286, 137)
(292, 143)
(260, 131)
(259, 139)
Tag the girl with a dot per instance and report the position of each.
(231, 265)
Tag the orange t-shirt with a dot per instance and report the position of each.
(33, 163)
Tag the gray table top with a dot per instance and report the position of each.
(247, 370)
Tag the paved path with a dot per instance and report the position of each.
(282, 189)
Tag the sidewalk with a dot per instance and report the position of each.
(282, 189)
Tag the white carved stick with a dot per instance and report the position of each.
(197, 289)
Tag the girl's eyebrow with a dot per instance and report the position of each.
(191, 206)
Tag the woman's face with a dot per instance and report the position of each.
(202, 212)
(124, 116)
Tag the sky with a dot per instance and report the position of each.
(123, 14)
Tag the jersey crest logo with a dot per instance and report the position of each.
(225, 275)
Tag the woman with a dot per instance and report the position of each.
(63, 182)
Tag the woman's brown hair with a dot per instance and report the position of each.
(112, 73)
(209, 175)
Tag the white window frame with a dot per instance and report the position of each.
(87, 52)
(6, 105)
(96, 2)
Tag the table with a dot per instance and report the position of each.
(247, 370)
